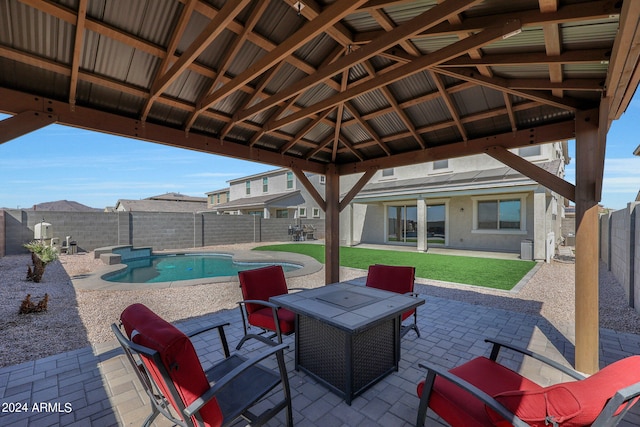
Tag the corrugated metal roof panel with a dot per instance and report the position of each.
(286, 76)
(369, 102)
(317, 50)
(406, 11)
(412, 87)
(530, 71)
(592, 34)
(279, 22)
(531, 39)
(431, 44)
(387, 124)
(313, 95)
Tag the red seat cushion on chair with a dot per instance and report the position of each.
(262, 284)
(177, 354)
(264, 319)
(574, 403)
(392, 278)
(458, 407)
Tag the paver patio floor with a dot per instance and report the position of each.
(95, 386)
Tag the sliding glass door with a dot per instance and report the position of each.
(402, 224)
(436, 225)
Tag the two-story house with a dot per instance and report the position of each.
(272, 194)
(474, 203)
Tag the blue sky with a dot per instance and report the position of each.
(63, 163)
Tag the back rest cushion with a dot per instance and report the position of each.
(180, 359)
(392, 278)
(574, 403)
(261, 284)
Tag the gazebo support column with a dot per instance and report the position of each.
(586, 277)
(332, 226)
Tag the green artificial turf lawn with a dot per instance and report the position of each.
(487, 272)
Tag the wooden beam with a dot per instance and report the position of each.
(177, 32)
(536, 173)
(326, 19)
(364, 179)
(578, 12)
(100, 121)
(389, 39)
(590, 56)
(419, 64)
(501, 84)
(230, 53)
(77, 50)
(587, 238)
(299, 173)
(532, 136)
(24, 123)
(226, 14)
(332, 226)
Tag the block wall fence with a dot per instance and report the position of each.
(159, 230)
(620, 249)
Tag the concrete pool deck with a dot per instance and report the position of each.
(94, 281)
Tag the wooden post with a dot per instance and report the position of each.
(587, 235)
(332, 226)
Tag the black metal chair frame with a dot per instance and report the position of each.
(609, 417)
(405, 328)
(236, 382)
(266, 335)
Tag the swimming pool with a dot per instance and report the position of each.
(176, 267)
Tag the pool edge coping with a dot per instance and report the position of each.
(93, 281)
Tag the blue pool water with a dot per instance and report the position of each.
(170, 268)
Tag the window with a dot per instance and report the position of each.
(218, 198)
(533, 150)
(282, 213)
(289, 180)
(256, 213)
(441, 164)
(265, 184)
(387, 172)
(315, 212)
(499, 214)
(302, 212)
(247, 186)
(323, 179)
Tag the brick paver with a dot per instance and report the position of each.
(96, 386)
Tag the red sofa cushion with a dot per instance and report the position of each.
(264, 319)
(146, 328)
(574, 403)
(489, 376)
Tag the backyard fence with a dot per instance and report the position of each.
(620, 249)
(159, 230)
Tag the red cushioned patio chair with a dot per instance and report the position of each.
(258, 285)
(483, 392)
(399, 279)
(169, 369)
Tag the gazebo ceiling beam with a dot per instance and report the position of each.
(419, 64)
(389, 39)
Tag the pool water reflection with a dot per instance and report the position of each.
(175, 267)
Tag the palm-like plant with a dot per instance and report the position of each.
(41, 255)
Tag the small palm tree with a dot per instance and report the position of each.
(41, 255)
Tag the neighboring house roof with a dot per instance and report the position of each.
(287, 199)
(266, 173)
(177, 197)
(222, 190)
(64, 206)
(481, 179)
(151, 205)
